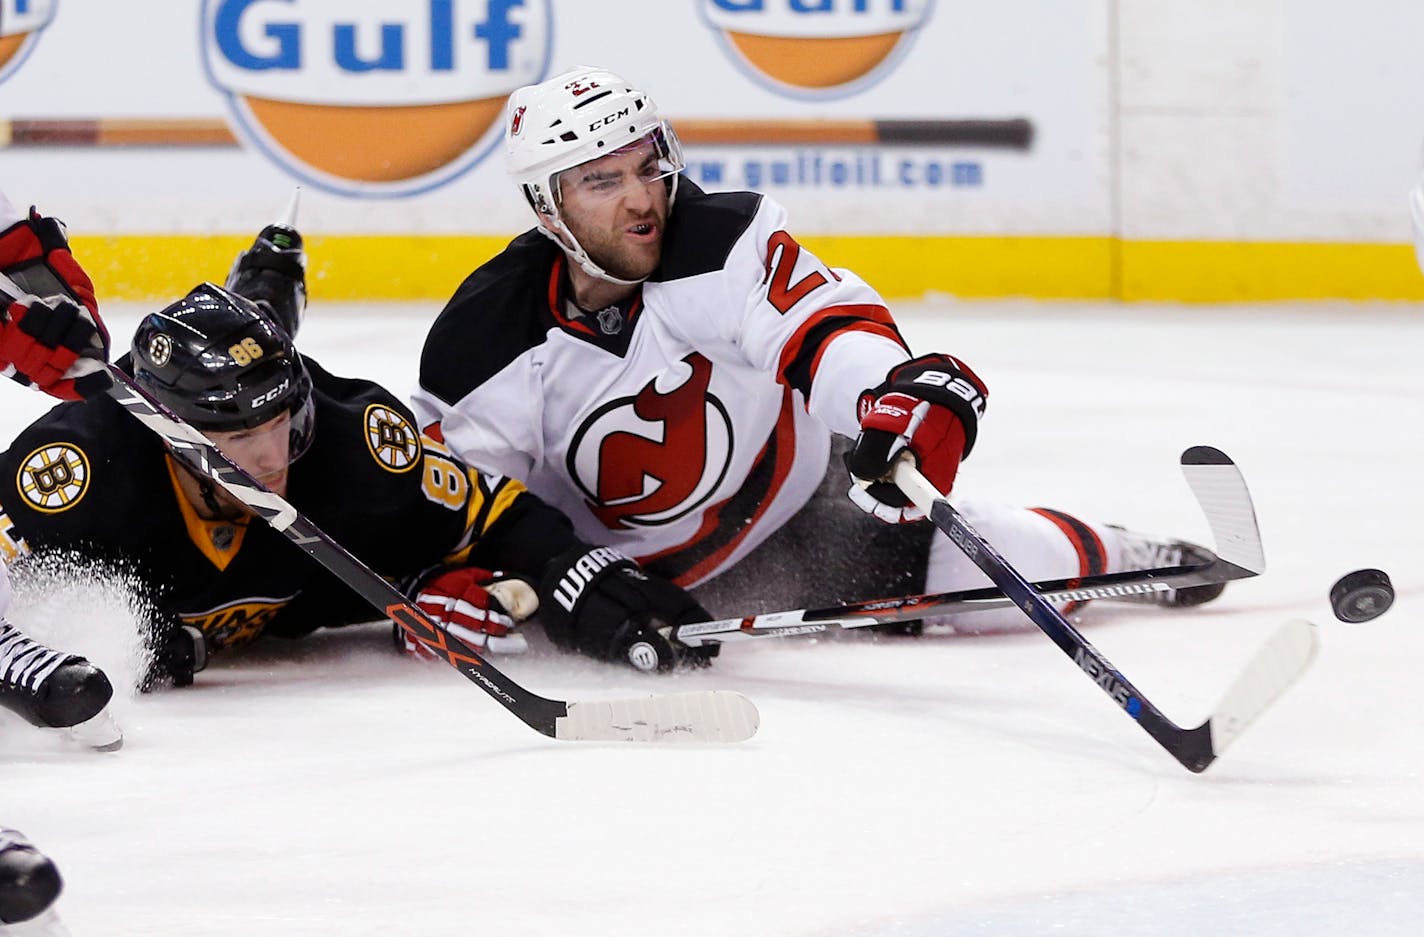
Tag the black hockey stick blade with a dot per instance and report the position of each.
(1276, 666)
(705, 716)
(1221, 494)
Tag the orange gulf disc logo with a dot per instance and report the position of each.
(816, 48)
(20, 24)
(374, 97)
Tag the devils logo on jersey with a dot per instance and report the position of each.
(651, 458)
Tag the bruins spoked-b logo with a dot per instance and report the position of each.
(54, 477)
(374, 97)
(392, 438)
(160, 349)
(20, 24)
(816, 48)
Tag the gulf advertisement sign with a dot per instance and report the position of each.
(20, 24)
(373, 97)
(816, 48)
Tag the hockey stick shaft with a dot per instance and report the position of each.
(1192, 747)
(884, 611)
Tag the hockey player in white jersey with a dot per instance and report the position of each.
(688, 383)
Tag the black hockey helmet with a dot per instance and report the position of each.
(215, 360)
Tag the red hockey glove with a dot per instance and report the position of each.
(43, 340)
(929, 406)
(601, 603)
(477, 606)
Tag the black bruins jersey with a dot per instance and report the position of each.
(90, 479)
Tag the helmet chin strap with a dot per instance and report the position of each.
(560, 234)
(580, 256)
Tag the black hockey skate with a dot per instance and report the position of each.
(273, 274)
(1142, 552)
(55, 690)
(29, 881)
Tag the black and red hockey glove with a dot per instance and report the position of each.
(929, 406)
(45, 334)
(601, 603)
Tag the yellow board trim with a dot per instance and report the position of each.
(160, 268)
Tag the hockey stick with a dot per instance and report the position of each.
(1277, 665)
(706, 716)
(1221, 494)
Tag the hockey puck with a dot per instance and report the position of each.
(1362, 595)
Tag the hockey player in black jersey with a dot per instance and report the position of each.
(687, 382)
(345, 452)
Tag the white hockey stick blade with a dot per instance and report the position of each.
(707, 716)
(1226, 502)
(1274, 669)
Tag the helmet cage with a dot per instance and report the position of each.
(545, 195)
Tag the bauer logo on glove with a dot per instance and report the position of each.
(955, 384)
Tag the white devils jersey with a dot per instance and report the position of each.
(675, 426)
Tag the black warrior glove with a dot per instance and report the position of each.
(601, 603)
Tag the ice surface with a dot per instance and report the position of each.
(897, 788)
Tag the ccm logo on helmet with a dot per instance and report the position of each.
(20, 24)
(274, 394)
(610, 119)
(816, 48)
(420, 85)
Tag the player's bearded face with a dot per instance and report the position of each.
(617, 208)
(262, 452)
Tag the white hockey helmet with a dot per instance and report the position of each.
(572, 118)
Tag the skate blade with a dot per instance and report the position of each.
(101, 733)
